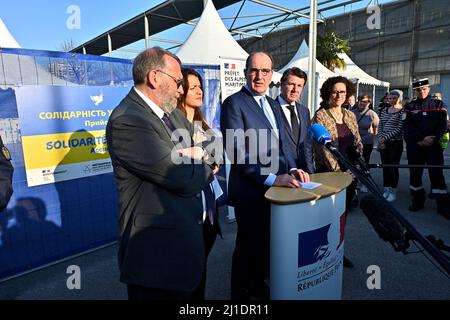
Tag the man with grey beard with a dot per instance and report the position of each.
(161, 250)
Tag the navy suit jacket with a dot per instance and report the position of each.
(246, 181)
(302, 149)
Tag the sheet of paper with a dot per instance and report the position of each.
(310, 185)
(216, 187)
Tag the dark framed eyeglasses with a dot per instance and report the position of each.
(335, 93)
(364, 101)
(264, 71)
(179, 82)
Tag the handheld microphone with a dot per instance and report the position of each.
(321, 136)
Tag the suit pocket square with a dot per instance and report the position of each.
(158, 221)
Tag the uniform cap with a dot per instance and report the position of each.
(420, 83)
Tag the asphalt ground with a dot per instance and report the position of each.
(411, 276)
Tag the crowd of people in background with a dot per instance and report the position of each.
(384, 128)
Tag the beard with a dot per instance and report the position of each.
(169, 99)
(169, 105)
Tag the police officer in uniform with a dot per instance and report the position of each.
(425, 123)
(6, 173)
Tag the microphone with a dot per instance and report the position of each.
(387, 227)
(321, 136)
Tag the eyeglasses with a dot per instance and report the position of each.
(364, 101)
(335, 93)
(179, 82)
(264, 71)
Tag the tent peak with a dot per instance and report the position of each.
(6, 38)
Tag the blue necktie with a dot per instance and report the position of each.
(267, 111)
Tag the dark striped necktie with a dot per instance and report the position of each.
(168, 122)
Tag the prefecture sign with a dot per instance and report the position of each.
(232, 77)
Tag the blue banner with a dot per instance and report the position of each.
(63, 130)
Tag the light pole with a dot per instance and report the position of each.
(312, 56)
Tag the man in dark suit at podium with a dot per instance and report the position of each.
(161, 249)
(258, 161)
(296, 116)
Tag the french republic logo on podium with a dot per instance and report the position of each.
(320, 254)
(315, 245)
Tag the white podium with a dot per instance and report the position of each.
(307, 239)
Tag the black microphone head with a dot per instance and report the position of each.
(385, 225)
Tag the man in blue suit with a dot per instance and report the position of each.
(253, 131)
(296, 117)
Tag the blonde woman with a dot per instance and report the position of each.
(390, 142)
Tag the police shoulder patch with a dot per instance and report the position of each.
(6, 153)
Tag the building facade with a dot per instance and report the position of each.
(407, 40)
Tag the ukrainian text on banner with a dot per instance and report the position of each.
(63, 130)
(232, 77)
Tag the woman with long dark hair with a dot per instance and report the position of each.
(190, 102)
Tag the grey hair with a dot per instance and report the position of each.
(397, 93)
(150, 59)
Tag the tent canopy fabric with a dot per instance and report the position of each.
(301, 59)
(209, 41)
(352, 71)
(163, 16)
(6, 38)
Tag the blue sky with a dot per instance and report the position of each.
(41, 24)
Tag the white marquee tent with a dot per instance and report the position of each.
(352, 71)
(6, 38)
(359, 76)
(300, 60)
(209, 41)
